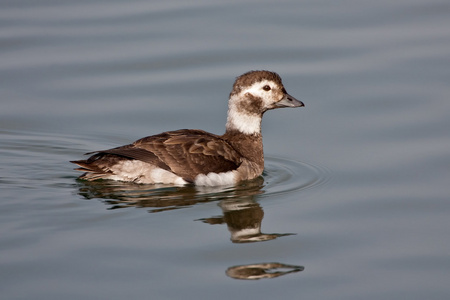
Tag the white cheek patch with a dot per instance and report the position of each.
(257, 90)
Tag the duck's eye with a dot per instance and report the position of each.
(266, 88)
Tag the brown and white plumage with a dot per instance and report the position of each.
(195, 156)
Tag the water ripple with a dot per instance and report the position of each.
(284, 175)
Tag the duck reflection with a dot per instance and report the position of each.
(242, 214)
(261, 270)
(165, 197)
(243, 218)
(157, 198)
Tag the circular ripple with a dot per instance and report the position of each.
(283, 175)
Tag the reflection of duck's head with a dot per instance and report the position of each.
(262, 270)
(243, 218)
(244, 222)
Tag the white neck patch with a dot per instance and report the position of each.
(245, 123)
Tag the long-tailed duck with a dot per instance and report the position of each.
(195, 156)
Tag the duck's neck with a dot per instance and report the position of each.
(242, 118)
(250, 146)
(243, 133)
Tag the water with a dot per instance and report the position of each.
(354, 201)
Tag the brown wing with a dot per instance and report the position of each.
(187, 153)
(191, 152)
(130, 151)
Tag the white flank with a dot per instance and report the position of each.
(215, 179)
(141, 172)
(158, 175)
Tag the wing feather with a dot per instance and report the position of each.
(189, 153)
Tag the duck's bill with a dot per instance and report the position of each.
(289, 101)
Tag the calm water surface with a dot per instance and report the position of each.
(354, 201)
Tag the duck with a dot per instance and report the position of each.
(193, 156)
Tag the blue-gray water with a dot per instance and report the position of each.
(354, 202)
